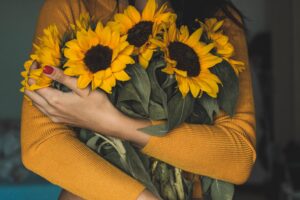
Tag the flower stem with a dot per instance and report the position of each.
(179, 184)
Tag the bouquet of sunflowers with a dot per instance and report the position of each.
(150, 69)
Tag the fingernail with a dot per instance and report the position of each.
(48, 70)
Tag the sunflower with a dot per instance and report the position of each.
(46, 52)
(141, 27)
(83, 23)
(190, 60)
(224, 48)
(99, 57)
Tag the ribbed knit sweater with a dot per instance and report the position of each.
(224, 150)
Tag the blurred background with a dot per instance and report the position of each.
(274, 50)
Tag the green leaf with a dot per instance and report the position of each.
(221, 190)
(156, 130)
(128, 109)
(128, 93)
(180, 108)
(137, 168)
(156, 111)
(229, 92)
(141, 83)
(206, 183)
(210, 105)
(199, 115)
(188, 188)
(170, 80)
(158, 95)
(114, 158)
(92, 143)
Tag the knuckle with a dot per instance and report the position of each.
(59, 76)
(51, 112)
(54, 100)
(54, 119)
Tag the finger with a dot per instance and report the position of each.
(59, 76)
(41, 109)
(36, 98)
(51, 95)
(35, 65)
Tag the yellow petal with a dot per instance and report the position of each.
(83, 81)
(128, 50)
(73, 54)
(149, 10)
(83, 40)
(183, 85)
(209, 61)
(133, 14)
(106, 36)
(218, 25)
(184, 34)
(121, 76)
(172, 32)
(180, 72)
(143, 62)
(195, 88)
(195, 37)
(168, 70)
(126, 59)
(115, 39)
(118, 65)
(124, 20)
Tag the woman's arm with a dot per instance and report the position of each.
(225, 150)
(53, 151)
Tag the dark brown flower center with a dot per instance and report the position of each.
(139, 34)
(98, 58)
(186, 58)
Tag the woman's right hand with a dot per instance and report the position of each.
(145, 195)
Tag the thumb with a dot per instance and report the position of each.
(58, 75)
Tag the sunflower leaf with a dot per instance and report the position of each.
(127, 109)
(206, 183)
(221, 190)
(141, 82)
(156, 130)
(180, 108)
(199, 115)
(157, 93)
(137, 168)
(210, 105)
(157, 112)
(228, 94)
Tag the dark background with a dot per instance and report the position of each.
(274, 50)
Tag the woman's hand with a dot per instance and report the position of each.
(145, 195)
(85, 108)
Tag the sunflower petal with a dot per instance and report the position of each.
(183, 85)
(122, 76)
(195, 37)
(149, 10)
(83, 81)
(133, 14)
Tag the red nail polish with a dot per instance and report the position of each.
(48, 70)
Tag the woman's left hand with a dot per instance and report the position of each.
(85, 109)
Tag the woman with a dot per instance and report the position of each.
(225, 150)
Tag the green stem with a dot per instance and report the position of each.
(179, 184)
(118, 146)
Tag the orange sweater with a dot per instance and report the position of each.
(225, 150)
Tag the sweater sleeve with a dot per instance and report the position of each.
(224, 150)
(52, 150)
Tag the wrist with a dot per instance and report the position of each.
(127, 129)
